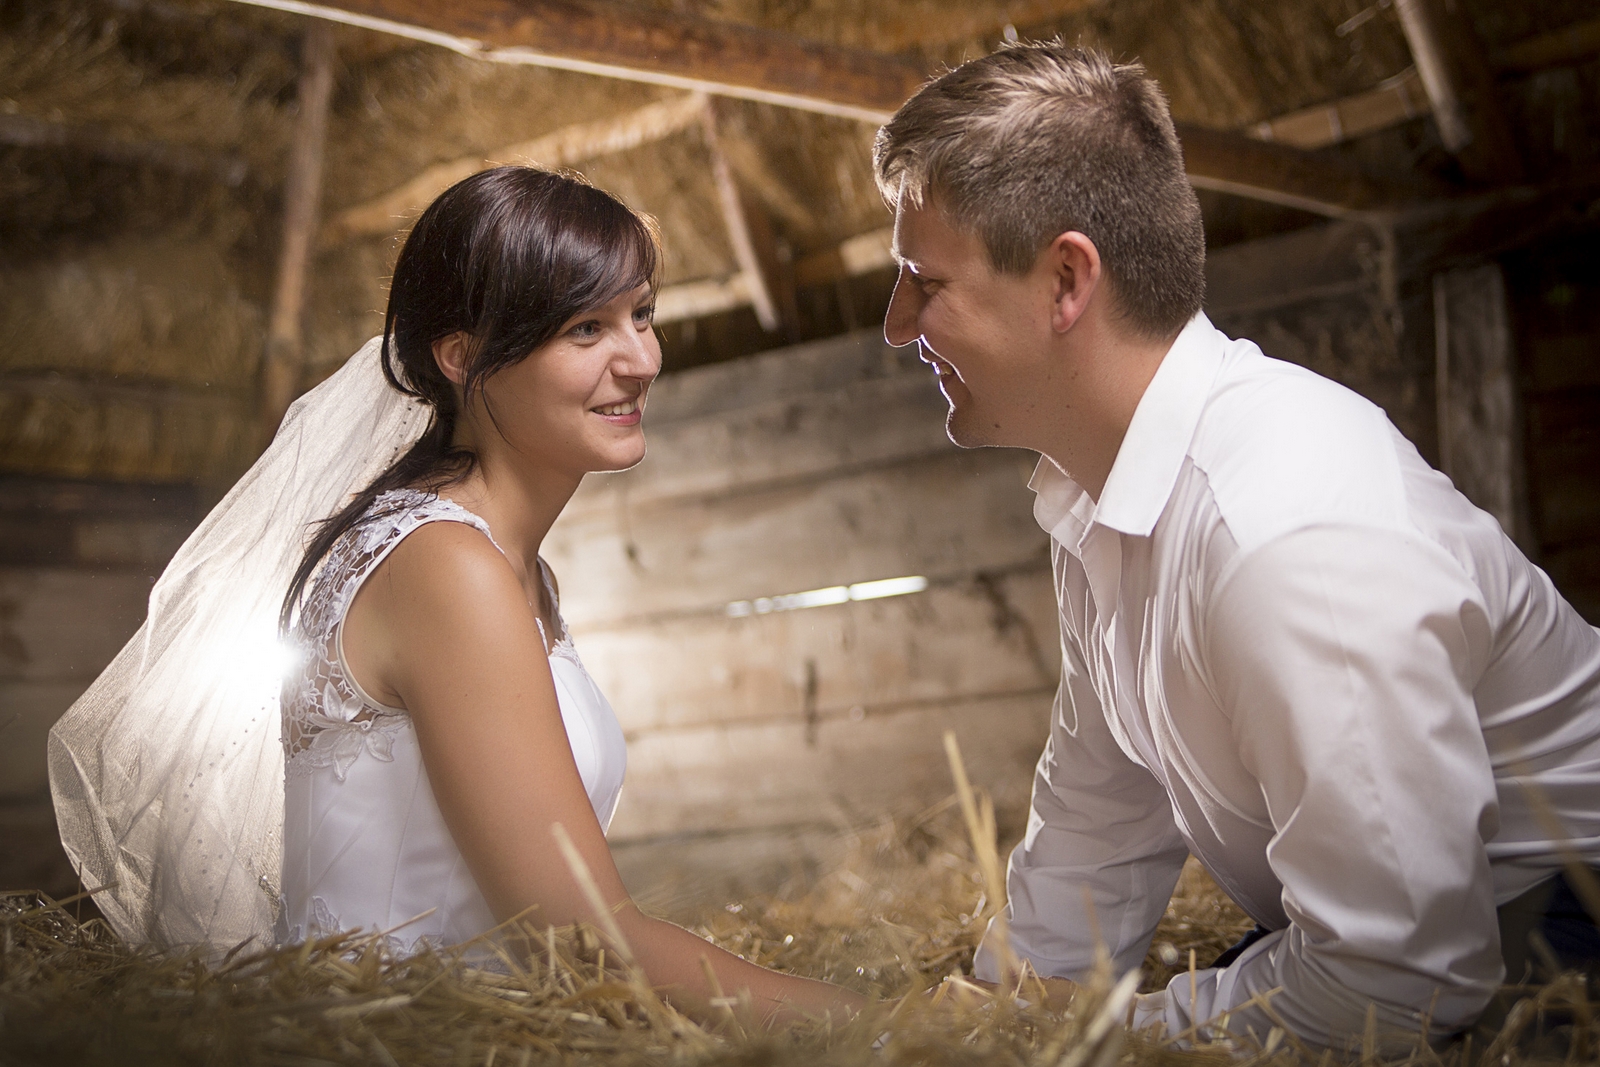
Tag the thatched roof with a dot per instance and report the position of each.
(144, 146)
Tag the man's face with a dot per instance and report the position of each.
(978, 328)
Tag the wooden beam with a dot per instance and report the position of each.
(1571, 44)
(1475, 386)
(749, 233)
(900, 28)
(1395, 100)
(606, 38)
(283, 360)
(1469, 230)
(564, 147)
(640, 44)
(1460, 83)
(858, 255)
(1328, 260)
(22, 131)
(697, 299)
(861, 254)
(1243, 166)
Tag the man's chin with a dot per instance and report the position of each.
(959, 426)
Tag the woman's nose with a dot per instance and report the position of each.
(641, 357)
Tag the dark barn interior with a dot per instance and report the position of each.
(200, 200)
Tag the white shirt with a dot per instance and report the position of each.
(1293, 649)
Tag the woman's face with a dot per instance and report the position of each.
(575, 404)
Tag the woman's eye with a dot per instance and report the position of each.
(644, 314)
(586, 329)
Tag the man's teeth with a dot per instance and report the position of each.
(626, 408)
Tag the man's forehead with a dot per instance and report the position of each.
(923, 236)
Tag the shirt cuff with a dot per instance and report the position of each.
(1150, 1009)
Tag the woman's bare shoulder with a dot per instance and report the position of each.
(448, 570)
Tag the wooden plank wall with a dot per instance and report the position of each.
(814, 466)
(77, 560)
(1475, 393)
(1329, 297)
(1555, 303)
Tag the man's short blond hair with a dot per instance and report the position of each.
(1037, 139)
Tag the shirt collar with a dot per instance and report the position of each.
(1152, 451)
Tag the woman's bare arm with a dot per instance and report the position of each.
(444, 626)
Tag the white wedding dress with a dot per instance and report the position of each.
(364, 844)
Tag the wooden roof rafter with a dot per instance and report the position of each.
(726, 59)
(604, 38)
(384, 214)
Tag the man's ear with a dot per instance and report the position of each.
(450, 353)
(1074, 265)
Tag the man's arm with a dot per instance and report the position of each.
(1346, 657)
(1102, 852)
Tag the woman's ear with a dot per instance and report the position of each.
(1074, 262)
(450, 353)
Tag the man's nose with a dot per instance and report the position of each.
(900, 324)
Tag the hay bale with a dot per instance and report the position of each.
(130, 360)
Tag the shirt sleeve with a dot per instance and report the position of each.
(1346, 658)
(1102, 852)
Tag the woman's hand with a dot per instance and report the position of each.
(1058, 992)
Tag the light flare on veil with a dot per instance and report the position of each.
(167, 774)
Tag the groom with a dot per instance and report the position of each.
(1289, 647)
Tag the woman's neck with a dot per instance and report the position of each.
(519, 503)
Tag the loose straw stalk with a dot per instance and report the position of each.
(979, 814)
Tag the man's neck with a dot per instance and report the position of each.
(1105, 372)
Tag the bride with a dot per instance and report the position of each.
(447, 764)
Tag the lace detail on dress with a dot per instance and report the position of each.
(326, 721)
(324, 923)
(562, 646)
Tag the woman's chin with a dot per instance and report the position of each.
(619, 460)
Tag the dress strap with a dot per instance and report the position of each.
(562, 636)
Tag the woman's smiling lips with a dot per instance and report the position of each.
(621, 413)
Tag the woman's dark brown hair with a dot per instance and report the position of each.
(508, 256)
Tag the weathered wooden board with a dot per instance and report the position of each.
(943, 515)
(49, 522)
(781, 441)
(65, 625)
(843, 772)
(58, 630)
(971, 638)
(837, 363)
(27, 711)
(1475, 389)
(1329, 259)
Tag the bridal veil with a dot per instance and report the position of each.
(167, 774)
